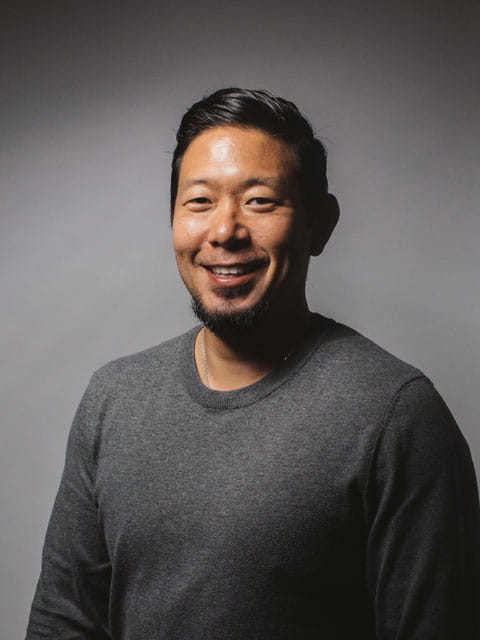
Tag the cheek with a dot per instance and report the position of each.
(186, 235)
(282, 238)
(273, 234)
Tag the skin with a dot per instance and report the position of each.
(240, 233)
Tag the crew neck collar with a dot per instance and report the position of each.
(244, 396)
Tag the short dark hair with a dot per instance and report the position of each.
(261, 110)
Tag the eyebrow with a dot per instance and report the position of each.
(246, 184)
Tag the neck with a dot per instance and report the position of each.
(230, 363)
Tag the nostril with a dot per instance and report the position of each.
(227, 231)
(231, 242)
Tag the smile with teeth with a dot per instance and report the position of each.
(235, 270)
(238, 269)
(235, 275)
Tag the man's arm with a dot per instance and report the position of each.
(71, 600)
(423, 554)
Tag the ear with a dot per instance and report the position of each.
(324, 222)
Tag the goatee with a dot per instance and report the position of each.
(233, 324)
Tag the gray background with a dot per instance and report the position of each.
(91, 96)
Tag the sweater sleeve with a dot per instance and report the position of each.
(71, 599)
(423, 549)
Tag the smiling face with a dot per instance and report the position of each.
(240, 235)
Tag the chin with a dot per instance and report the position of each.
(234, 322)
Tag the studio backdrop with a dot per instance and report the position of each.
(92, 93)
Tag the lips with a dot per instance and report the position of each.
(235, 270)
(233, 275)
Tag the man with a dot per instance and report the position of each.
(271, 474)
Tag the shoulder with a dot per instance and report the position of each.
(419, 423)
(129, 381)
(357, 366)
(156, 366)
(398, 404)
(349, 348)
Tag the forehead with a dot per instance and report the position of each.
(232, 151)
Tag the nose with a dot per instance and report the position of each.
(227, 227)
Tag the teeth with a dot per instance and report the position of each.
(229, 271)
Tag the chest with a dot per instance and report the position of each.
(280, 482)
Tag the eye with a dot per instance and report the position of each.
(198, 204)
(259, 200)
(262, 204)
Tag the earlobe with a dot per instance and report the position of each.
(325, 221)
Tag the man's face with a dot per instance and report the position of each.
(240, 235)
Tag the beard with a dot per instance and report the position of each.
(232, 324)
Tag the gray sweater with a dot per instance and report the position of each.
(333, 499)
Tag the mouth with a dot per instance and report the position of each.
(233, 270)
(234, 275)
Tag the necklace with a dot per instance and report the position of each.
(203, 357)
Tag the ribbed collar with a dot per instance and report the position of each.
(321, 328)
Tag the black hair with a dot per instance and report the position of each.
(261, 110)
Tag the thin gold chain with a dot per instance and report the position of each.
(203, 357)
